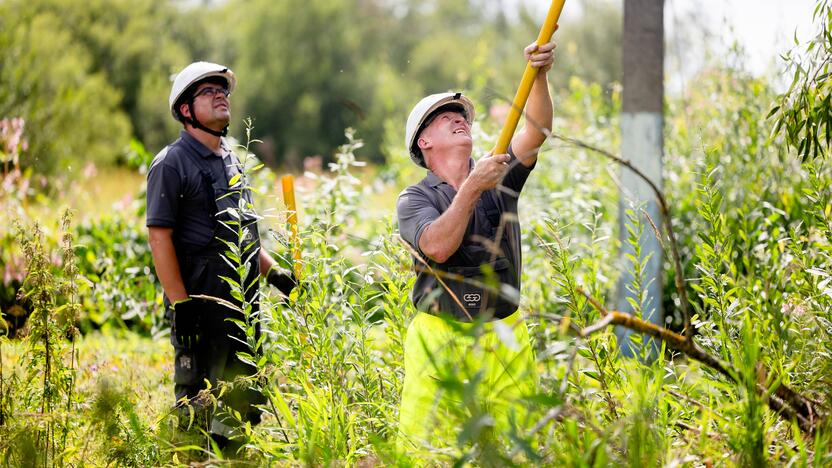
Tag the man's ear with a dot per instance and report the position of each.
(184, 110)
(424, 143)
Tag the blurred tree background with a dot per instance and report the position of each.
(90, 75)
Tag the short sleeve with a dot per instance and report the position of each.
(415, 212)
(164, 187)
(516, 176)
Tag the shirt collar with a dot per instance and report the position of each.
(198, 147)
(434, 181)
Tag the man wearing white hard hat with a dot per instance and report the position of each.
(461, 221)
(189, 197)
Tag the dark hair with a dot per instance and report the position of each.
(450, 107)
(188, 94)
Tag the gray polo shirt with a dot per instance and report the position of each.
(473, 264)
(180, 194)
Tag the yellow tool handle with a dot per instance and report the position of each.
(292, 217)
(527, 81)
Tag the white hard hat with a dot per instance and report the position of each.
(194, 72)
(423, 109)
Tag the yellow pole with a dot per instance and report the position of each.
(527, 81)
(292, 217)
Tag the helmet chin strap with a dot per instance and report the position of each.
(197, 124)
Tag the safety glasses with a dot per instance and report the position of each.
(212, 92)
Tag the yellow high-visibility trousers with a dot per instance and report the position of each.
(456, 375)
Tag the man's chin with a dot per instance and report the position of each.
(222, 114)
(223, 121)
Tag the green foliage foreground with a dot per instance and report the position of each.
(755, 245)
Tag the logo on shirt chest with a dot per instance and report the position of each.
(185, 362)
(472, 299)
(248, 236)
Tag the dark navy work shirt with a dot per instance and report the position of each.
(177, 195)
(422, 203)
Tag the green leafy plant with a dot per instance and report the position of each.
(47, 387)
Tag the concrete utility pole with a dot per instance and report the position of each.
(641, 144)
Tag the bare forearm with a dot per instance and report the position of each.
(443, 236)
(540, 109)
(539, 112)
(167, 266)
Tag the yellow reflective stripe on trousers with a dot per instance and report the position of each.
(447, 362)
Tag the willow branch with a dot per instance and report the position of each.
(662, 201)
(666, 220)
(784, 401)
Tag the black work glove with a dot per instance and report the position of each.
(187, 321)
(284, 280)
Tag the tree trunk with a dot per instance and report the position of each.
(641, 143)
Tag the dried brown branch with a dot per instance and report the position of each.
(666, 221)
(784, 401)
(600, 325)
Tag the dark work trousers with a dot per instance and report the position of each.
(214, 358)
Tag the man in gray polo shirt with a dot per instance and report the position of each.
(461, 221)
(194, 185)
